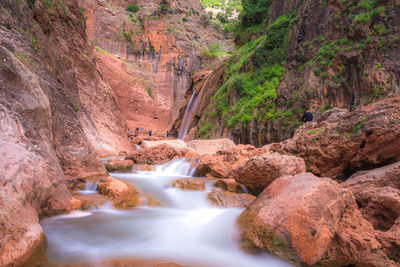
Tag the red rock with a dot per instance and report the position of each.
(189, 184)
(378, 197)
(116, 165)
(343, 142)
(229, 185)
(229, 199)
(210, 147)
(224, 161)
(258, 172)
(122, 194)
(155, 155)
(309, 220)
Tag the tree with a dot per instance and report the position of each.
(205, 19)
(165, 6)
(223, 18)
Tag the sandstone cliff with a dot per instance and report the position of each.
(148, 56)
(51, 122)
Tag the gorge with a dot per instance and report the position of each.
(169, 133)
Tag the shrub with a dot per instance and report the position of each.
(165, 6)
(132, 8)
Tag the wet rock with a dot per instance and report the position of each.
(189, 184)
(144, 167)
(210, 147)
(258, 172)
(229, 185)
(90, 201)
(229, 199)
(122, 194)
(117, 165)
(155, 155)
(309, 220)
(343, 142)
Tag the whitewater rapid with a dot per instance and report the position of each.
(186, 230)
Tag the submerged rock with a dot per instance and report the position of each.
(229, 185)
(190, 184)
(229, 199)
(258, 172)
(117, 165)
(343, 142)
(309, 220)
(122, 194)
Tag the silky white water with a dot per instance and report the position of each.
(187, 230)
(187, 117)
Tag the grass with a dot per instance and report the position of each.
(25, 59)
(316, 131)
(149, 92)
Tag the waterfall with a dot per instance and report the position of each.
(187, 118)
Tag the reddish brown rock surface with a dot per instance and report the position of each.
(190, 184)
(309, 220)
(258, 172)
(343, 142)
(224, 161)
(155, 155)
(210, 147)
(122, 194)
(378, 197)
(228, 199)
(116, 165)
(229, 185)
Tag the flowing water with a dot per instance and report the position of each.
(186, 230)
(187, 117)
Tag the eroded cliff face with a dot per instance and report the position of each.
(148, 57)
(52, 125)
(317, 54)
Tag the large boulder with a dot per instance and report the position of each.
(190, 184)
(378, 197)
(309, 220)
(228, 199)
(117, 165)
(122, 194)
(343, 142)
(258, 172)
(210, 147)
(156, 154)
(221, 164)
(176, 144)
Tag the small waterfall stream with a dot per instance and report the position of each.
(186, 229)
(187, 118)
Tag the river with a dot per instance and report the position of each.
(186, 230)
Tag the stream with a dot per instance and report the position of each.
(186, 230)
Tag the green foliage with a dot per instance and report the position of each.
(165, 6)
(204, 132)
(25, 59)
(149, 92)
(63, 7)
(254, 11)
(357, 128)
(316, 131)
(205, 19)
(256, 89)
(326, 108)
(132, 8)
(222, 17)
(76, 106)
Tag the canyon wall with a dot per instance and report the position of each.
(52, 125)
(148, 56)
(298, 54)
